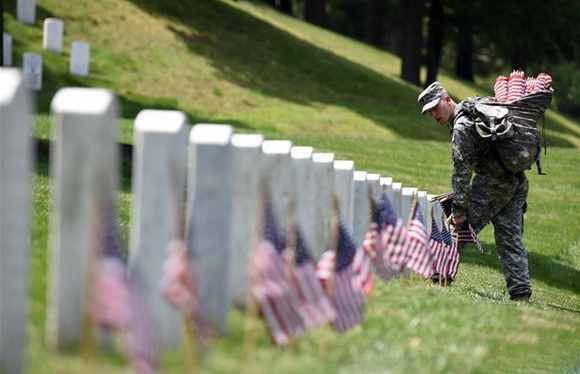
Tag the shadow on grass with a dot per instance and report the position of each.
(56, 75)
(544, 268)
(255, 54)
(42, 161)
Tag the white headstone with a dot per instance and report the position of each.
(7, 49)
(159, 181)
(324, 178)
(360, 207)
(306, 186)
(276, 168)
(26, 11)
(373, 181)
(386, 187)
(32, 70)
(425, 211)
(52, 37)
(407, 194)
(85, 163)
(247, 155)
(344, 186)
(436, 210)
(80, 58)
(15, 196)
(209, 227)
(396, 191)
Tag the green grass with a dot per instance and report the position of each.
(244, 64)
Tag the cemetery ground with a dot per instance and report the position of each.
(240, 63)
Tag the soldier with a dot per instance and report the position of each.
(493, 195)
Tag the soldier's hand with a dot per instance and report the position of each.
(459, 220)
(371, 241)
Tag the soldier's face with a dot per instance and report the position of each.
(442, 112)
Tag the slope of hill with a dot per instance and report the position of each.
(244, 64)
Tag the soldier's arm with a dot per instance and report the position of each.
(464, 157)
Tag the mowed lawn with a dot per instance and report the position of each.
(243, 64)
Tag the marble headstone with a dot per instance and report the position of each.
(324, 178)
(373, 181)
(360, 207)
(407, 194)
(209, 210)
(386, 187)
(306, 186)
(344, 186)
(396, 190)
(26, 11)
(425, 210)
(15, 202)
(52, 37)
(32, 70)
(85, 170)
(159, 181)
(80, 58)
(7, 55)
(247, 155)
(277, 171)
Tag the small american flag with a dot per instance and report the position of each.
(316, 308)
(338, 274)
(271, 283)
(501, 89)
(180, 288)
(373, 241)
(512, 89)
(463, 235)
(116, 303)
(438, 248)
(543, 82)
(419, 256)
(394, 240)
(363, 270)
(448, 258)
(516, 85)
(466, 235)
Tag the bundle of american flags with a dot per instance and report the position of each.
(392, 241)
(465, 234)
(344, 281)
(271, 283)
(419, 255)
(445, 254)
(508, 90)
(315, 308)
(395, 246)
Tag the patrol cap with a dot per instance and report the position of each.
(431, 95)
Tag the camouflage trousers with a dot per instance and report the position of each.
(502, 201)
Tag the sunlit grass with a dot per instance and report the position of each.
(244, 64)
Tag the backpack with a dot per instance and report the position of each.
(511, 129)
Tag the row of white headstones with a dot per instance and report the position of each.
(220, 172)
(52, 40)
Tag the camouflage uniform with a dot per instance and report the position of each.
(495, 196)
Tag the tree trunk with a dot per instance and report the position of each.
(464, 61)
(376, 19)
(285, 6)
(315, 12)
(412, 40)
(272, 3)
(435, 40)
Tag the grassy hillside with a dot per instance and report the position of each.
(243, 64)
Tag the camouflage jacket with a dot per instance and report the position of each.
(470, 154)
